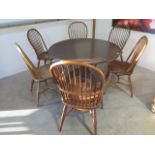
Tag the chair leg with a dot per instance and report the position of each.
(130, 85)
(38, 63)
(38, 92)
(93, 114)
(108, 80)
(63, 115)
(101, 105)
(121, 58)
(118, 77)
(107, 75)
(153, 105)
(32, 83)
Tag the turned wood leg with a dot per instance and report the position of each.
(38, 63)
(108, 81)
(118, 77)
(32, 83)
(46, 83)
(107, 75)
(130, 85)
(38, 92)
(121, 58)
(93, 114)
(101, 104)
(63, 115)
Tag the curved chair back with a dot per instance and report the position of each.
(81, 85)
(136, 53)
(36, 41)
(34, 70)
(77, 30)
(119, 36)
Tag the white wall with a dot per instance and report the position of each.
(11, 61)
(147, 60)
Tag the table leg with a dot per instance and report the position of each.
(108, 80)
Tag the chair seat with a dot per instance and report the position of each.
(44, 72)
(44, 56)
(82, 96)
(119, 67)
(78, 102)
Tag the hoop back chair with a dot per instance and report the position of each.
(126, 68)
(81, 86)
(38, 74)
(37, 42)
(119, 36)
(77, 30)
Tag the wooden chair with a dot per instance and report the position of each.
(126, 68)
(77, 30)
(81, 86)
(38, 74)
(153, 105)
(38, 44)
(119, 36)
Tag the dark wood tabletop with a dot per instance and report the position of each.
(94, 50)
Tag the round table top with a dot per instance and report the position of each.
(95, 50)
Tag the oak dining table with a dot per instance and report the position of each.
(89, 50)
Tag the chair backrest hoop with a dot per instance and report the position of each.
(36, 40)
(34, 70)
(136, 53)
(119, 36)
(77, 30)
